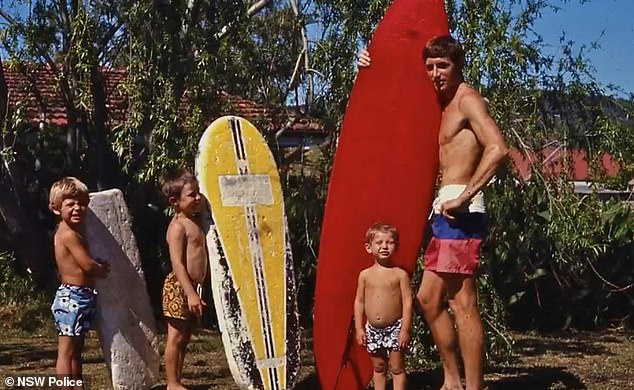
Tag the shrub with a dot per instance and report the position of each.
(560, 259)
(22, 306)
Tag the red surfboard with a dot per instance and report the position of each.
(384, 170)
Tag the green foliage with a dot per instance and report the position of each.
(303, 197)
(169, 86)
(261, 65)
(341, 27)
(22, 306)
(560, 260)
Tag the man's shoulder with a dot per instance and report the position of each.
(467, 92)
(469, 99)
(465, 95)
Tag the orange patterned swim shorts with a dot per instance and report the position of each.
(175, 300)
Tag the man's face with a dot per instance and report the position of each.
(442, 73)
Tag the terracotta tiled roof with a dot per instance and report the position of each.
(40, 100)
(556, 161)
(273, 118)
(37, 96)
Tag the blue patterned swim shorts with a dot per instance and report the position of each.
(386, 338)
(74, 308)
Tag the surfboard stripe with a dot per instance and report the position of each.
(228, 297)
(241, 158)
(250, 255)
(255, 249)
(258, 271)
(236, 133)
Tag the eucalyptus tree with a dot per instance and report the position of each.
(72, 40)
(167, 52)
(182, 54)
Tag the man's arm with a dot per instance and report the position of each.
(406, 298)
(359, 306)
(77, 248)
(494, 151)
(176, 241)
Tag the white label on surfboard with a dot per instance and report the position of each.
(244, 190)
(271, 363)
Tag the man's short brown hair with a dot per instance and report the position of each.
(444, 46)
(381, 227)
(172, 182)
(65, 188)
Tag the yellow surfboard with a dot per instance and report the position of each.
(251, 264)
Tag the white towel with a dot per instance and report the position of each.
(452, 191)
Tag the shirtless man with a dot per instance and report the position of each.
(182, 305)
(384, 297)
(471, 149)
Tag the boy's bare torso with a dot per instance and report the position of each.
(383, 301)
(459, 150)
(195, 249)
(69, 270)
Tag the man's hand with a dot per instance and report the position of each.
(364, 59)
(195, 305)
(403, 339)
(360, 335)
(450, 207)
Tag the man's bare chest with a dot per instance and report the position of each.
(451, 127)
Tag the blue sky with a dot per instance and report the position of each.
(585, 23)
(611, 22)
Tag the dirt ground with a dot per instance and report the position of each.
(570, 360)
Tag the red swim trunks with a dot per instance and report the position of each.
(455, 245)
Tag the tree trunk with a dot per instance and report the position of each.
(106, 164)
(27, 236)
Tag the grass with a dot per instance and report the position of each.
(568, 360)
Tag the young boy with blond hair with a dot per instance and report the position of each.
(384, 297)
(182, 305)
(74, 306)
